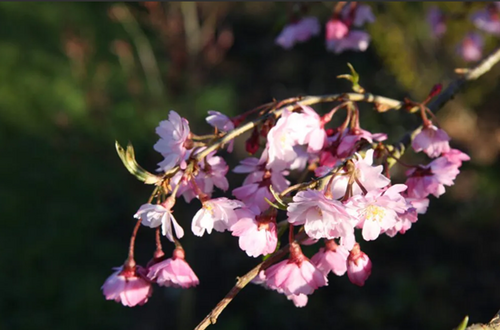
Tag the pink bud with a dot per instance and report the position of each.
(359, 266)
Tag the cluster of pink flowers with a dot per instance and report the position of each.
(471, 46)
(356, 195)
(133, 285)
(340, 35)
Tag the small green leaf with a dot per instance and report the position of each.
(354, 78)
(128, 159)
(463, 325)
(277, 196)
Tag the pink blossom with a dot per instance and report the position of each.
(298, 32)
(488, 19)
(129, 287)
(471, 47)
(355, 40)
(370, 177)
(174, 140)
(281, 140)
(217, 213)
(299, 300)
(311, 130)
(332, 258)
(431, 179)
(349, 139)
(378, 210)
(432, 140)
(254, 196)
(456, 157)
(257, 236)
(321, 217)
(363, 15)
(296, 275)
(222, 123)
(359, 266)
(173, 272)
(154, 215)
(336, 29)
(211, 172)
(435, 18)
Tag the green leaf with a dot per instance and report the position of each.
(463, 325)
(128, 159)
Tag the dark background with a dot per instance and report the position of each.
(75, 77)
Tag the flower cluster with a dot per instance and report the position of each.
(340, 35)
(350, 199)
(470, 48)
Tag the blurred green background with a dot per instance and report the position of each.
(75, 77)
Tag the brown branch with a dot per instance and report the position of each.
(494, 324)
(455, 86)
(241, 283)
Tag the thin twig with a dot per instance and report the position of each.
(452, 89)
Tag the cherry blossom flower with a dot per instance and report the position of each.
(431, 179)
(257, 235)
(173, 272)
(130, 287)
(471, 47)
(217, 213)
(254, 196)
(359, 266)
(321, 217)
(363, 15)
(295, 276)
(155, 215)
(336, 29)
(370, 177)
(435, 18)
(255, 187)
(355, 40)
(211, 173)
(299, 300)
(311, 131)
(299, 31)
(456, 156)
(222, 123)
(432, 140)
(174, 140)
(378, 210)
(350, 137)
(488, 19)
(332, 258)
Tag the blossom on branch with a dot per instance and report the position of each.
(174, 141)
(431, 140)
(257, 234)
(217, 213)
(129, 286)
(173, 272)
(299, 31)
(155, 215)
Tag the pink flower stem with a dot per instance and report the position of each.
(130, 262)
(290, 234)
(159, 250)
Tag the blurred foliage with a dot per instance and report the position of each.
(75, 77)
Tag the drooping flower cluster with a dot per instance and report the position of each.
(351, 191)
(340, 35)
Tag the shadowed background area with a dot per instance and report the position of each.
(75, 77)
